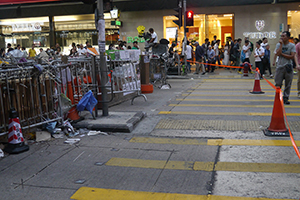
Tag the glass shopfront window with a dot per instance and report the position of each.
(205, 26)
(294, 23)
(68, 29)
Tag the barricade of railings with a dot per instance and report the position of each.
(32, 91)
(125, 79)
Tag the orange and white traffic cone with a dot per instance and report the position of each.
(15, 137)
(256, 88)
(277, 126)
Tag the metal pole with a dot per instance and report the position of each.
(184, 45)
(101, 44)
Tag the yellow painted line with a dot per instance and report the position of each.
(178, 141)
(205, 166)
(126, 162)
(234, 80)
(231, 95)
(227, 91)
(212, 142)
(232, 88)
(228, 106)
(222, 113)
(242, 100)
(236, 142)
(258, 167)
(90, 193)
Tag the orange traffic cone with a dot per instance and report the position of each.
(256, 88)
(277, 126)
(15, 137)
(73, 114)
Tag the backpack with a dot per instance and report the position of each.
(252, 46)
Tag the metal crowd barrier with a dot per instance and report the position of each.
(31, 92)
(34, 90)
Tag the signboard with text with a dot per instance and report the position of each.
(9, 2)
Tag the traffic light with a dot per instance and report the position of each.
(189, 18)
(179, 15)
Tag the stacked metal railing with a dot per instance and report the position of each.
(34, 90)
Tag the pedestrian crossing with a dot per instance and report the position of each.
(235, 168)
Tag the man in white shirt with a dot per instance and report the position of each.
(264, 43)
(188, 56)
(81, 51)
(246, 49)
(153, 36)
(217, 52)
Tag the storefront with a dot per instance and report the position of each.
(205, 26)
(68, 29)
(253, 21)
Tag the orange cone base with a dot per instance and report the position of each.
(146, 88)
(256, 92)
(284, 133)
(16, 148)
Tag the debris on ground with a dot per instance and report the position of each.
(72, 141)
(90, 133)
(42, 136)
(1, 153)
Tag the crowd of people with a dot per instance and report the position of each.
(286, 58)
(20, 52)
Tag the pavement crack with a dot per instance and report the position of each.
(162, 169)
(24, 181)
(210, 184)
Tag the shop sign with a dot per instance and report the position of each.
(136, 38)
(260, 25)
(260, 35)
(27, 27)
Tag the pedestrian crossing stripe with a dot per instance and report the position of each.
(90, 193)
(205, 166)
(232, 87)
(222, 113)
(212, 142)
(235, 106)
(231, 95)
(242, 100)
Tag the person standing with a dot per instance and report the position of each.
(267, 55)
(225, 60)
(211, 58)
(32, 52)
(189, 50)
(259, 52)
(199, 53)
(237, 52)
(264, 43)
(246, 49)
(298, 69)
(284, 67)
(217, 52)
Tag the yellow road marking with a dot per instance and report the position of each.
(242, 100)
(169, 141)
(213, 142)
(89, 193)
(205, 166)
(231, 95)
(222, 113)
(227, 91)
(126, 162)
(236, 106)
(258, 167)
(232, 88)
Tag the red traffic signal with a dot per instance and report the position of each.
(190, 18)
